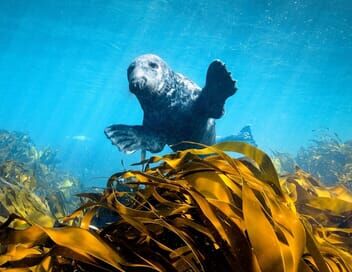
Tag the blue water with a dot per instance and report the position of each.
(63, 69)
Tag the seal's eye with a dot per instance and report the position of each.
(153, 65)
(131, 67)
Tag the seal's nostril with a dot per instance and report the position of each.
(143, 80)
(137, 84)
(139, 81)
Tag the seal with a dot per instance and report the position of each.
(175, 108)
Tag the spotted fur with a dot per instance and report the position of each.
(175, 108)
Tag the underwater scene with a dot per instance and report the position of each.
(174, 135)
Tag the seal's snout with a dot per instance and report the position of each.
(137, 84)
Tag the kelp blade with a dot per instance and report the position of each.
(198, 210)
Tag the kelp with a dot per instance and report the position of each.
(195, 210)
(284, 162)
(15, 198)
(23, 164)
(327, 211)
(326, 157)
(18, 146)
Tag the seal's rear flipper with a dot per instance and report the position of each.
(245, 135)
(219, 86)
(131, 138)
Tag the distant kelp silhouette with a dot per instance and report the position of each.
(29, 171)
(18, 146)
(326, 157)
(329, 159)
(195, 210)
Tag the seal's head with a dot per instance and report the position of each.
(147, 75)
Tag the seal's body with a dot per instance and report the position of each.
(175, 108)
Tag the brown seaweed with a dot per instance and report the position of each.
(327, 158)
(196, 210)
(28, 168)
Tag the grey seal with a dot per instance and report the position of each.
(175, 108)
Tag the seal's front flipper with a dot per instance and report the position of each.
(131, 138)
(219, 86)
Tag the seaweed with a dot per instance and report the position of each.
(284, 162)
(33, 177)
(327, 157)
(194, 210)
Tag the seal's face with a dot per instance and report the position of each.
(147, 75)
